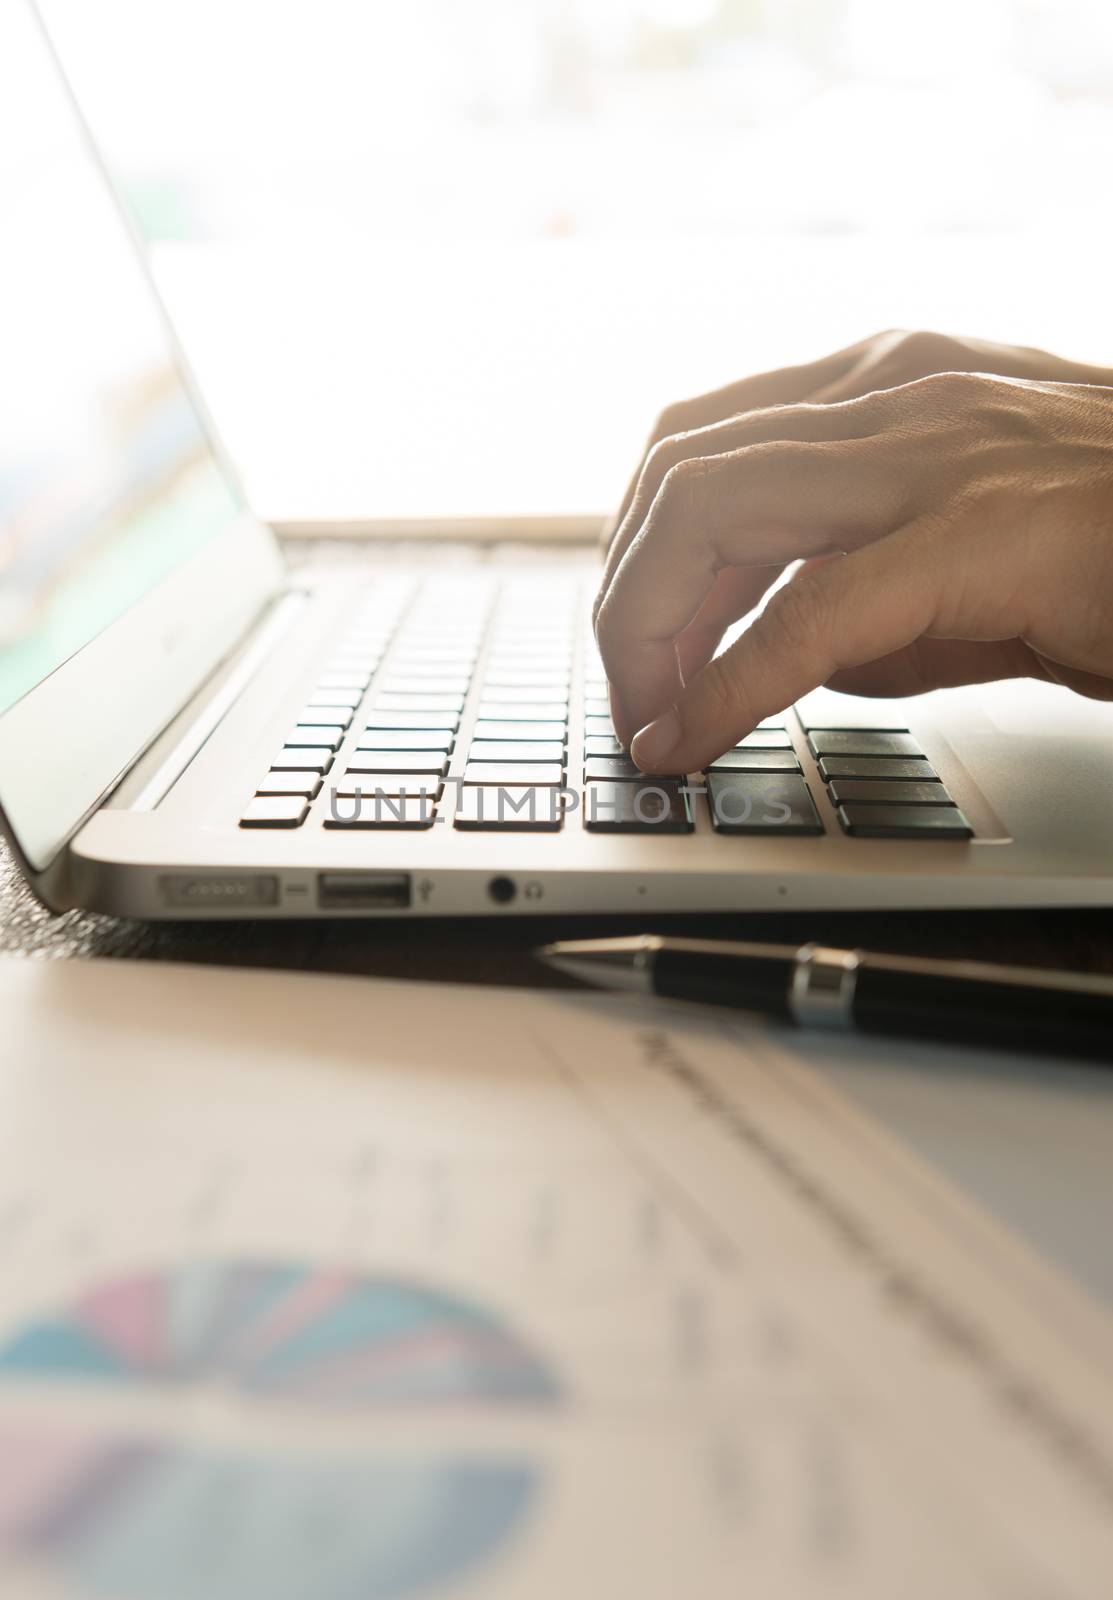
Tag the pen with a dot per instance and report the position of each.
(815, 986)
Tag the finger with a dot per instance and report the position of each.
(778, 388)
(939, 664)
(736, 591)
(796, 422)
(874, 602)
(763, 505)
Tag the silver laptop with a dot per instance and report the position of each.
(190, 729)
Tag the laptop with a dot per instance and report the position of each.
(192, 727)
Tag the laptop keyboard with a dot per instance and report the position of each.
(377, 742)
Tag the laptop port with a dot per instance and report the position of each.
(363, 891)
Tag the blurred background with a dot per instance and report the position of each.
(481, 244)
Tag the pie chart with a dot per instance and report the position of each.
(130, 1515)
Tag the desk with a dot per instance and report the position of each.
(1030, 1142)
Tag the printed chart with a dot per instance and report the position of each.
(131, 1516)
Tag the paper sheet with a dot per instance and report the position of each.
(354, 1290)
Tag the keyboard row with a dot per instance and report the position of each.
(420, 662)
(518, 781)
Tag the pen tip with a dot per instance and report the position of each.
(600, 963)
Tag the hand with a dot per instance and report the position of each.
(967, 526)
(883, 361)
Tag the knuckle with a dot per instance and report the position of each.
(783, 456)
(675, 418)
(924, 400)
(794, 614)
(663, 456)
(605, 628)
(925, 351)
(720, 690)
(947, 387)
(663, 470)
(680, 487)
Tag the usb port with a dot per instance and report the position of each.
(363, 891)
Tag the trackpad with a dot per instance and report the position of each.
(1029, 706)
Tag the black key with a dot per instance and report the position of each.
(323, 737)
(523, 694)
(425, 650)
(492, 709)
(303, 758)
(529, 633)
(353, 665)
(381, 811)
(521, 732)
(408, 739)
(904, 822)
(920, 771)
(755, 761)
(414, 721)
(612, 769)
(343, 680)
(325, 716)
(844, 791)
(275, 811)
(419, 702)
(411, 784)
(602, 744)
(304, 783)
(499, 677)
(545, 660)
(509, 809)
(861, 742)
(401, 683)
(421, 637)
(365, 641)
(421, 666)
(447, 658)
(761, 803)
(522, 774)
(765, 739)
(336, 697)
(656, 805)
(516, 750)
(398, 761)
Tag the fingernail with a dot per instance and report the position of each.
(652, 745)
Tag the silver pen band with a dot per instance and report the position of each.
(821, 994)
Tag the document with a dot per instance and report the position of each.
(319, 1288)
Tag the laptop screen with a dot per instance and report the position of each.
(107, 478)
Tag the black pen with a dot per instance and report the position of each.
(815, 986)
